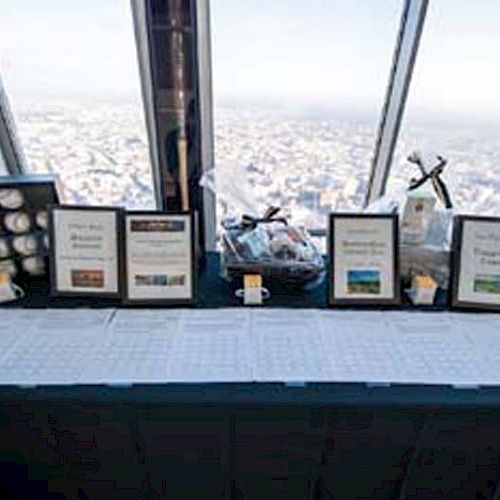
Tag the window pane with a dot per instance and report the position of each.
(454, 103)
(70, 70)
(298, 89)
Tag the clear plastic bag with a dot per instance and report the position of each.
(267, 244)
(234, 193)
(430, 256)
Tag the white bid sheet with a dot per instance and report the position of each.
(136, 348)
(214, 345)
(57, 349)
(288, 346)
(92, 346)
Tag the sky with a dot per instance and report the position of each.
(458, 65)
(323, 53)
(314, 51)
(50, 48)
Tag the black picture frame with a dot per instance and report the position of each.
(395, 301)
(456, 265)
(54, 291)
(189, 302)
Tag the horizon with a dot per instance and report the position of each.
(273, 109)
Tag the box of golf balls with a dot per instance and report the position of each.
(24, 241)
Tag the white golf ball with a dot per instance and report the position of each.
(17, 222)
(11, 198)
(8, 266)
(25, 245)
(4, 249)
(34, 265)
(42, 219)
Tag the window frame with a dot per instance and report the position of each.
(12, 158)
(404, 57)
(204, 37)
(140, 21)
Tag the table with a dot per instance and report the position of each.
(248, 440)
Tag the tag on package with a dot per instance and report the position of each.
(417, 214)
(423, 290)
(252, 289)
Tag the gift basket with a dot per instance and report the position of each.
(268, 244)
(426, 222)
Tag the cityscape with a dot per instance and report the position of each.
(99, 152)
(309, 166)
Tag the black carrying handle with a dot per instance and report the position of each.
(249, 222)
(437, 183)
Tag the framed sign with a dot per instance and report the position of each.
(363, 266)
(475, 279)
(159, 258)
(85, 251)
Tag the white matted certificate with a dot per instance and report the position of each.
(363, 252)
(85, 251)
(476, 266)
(159, 258)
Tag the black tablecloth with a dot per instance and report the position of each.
(246, 440)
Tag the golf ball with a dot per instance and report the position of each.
(25, 245)
(9, 267)
(11, 198)
(4, 249)
(34, 265)
(42, 219)
(17, 222)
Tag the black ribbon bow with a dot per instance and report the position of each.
(249, 222)
(434, 175)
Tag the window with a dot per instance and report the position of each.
(453, 106)
(70, 70)
(298, 91)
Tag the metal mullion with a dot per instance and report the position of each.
(11, 154)
(206, 111)
(412, 23)
(202, 88)
(3, 166)
(140, 18)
